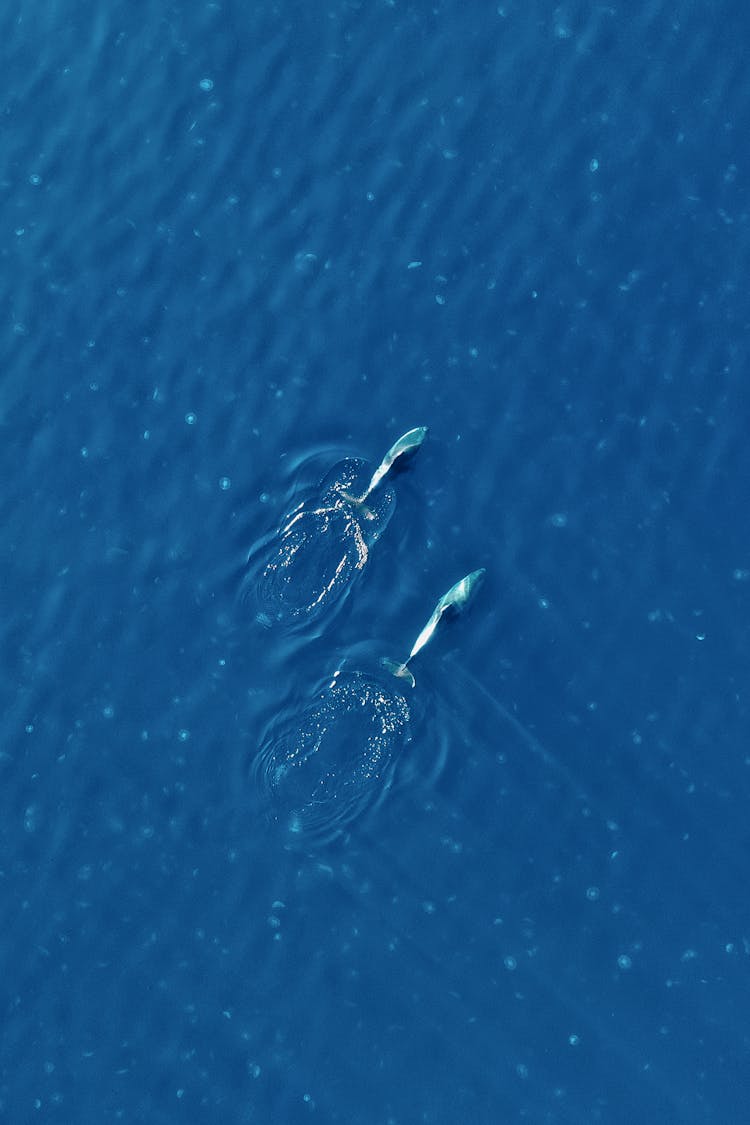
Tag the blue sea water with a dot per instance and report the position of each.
(239, 244)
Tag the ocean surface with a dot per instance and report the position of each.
(244, 249)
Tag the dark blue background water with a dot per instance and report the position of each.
(235, 236)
